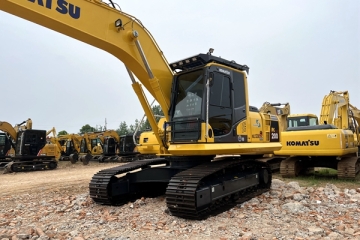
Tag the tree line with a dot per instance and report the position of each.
(123, 128)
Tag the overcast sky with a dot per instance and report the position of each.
(297, 52)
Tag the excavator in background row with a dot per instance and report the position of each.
(302, 119)
(71, 146)
(205, 101)
(281, 111)
(52, 147)
(5, 145)
(334, 143)
(91, 147)
(277, 110)
(109, 146)
(27, 143)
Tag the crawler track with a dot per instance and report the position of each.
(348, 167)
(290, 167)
(13, 165)
(100, 186)
(193, 192)
(199, 191)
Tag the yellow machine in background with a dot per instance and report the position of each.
(90, 146)
(52, 147)
(205, 102)
(333, 144)
(71, 147)
(302, 119)
(100, 146)
(148, 144)
(277, 110)
(27, 144)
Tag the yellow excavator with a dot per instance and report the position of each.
(334, 143)
(277, 110)
(91, 147)
(109, 146)
(71, 147)
(27, 144)
(205, 102)
(52, 147)
(5, 146)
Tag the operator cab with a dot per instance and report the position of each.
(110, 146)
(30, 142)
(300, 120)
(94, 143)
(127, 145)
(5, 145)
(226, 104)
(69, 147)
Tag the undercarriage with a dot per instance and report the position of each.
(194, 186)
(27, 164)
(347, 167)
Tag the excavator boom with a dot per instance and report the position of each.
(6, 127)
(94, 22)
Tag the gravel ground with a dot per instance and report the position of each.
(65, 211)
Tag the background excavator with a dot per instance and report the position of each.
(205, 102)
(109, 146)
(27, 144)
(71, 146)
(5, 145)
(91, 147)
(52, 147)
(334, 143)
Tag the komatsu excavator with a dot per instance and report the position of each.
(334, 143)
(27, 143)
(205, 102)
(282, 111)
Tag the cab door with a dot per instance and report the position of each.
(220, 106)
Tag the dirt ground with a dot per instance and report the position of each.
(72, 177)
(55, 204)
(76, 177)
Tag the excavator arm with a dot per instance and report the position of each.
(6, 127)
(110, 133)
(335, 109)
(276, 109)
(20, 126)
(97, 24)
(122, 35)
(53, 131)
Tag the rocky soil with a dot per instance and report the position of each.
(287, 211)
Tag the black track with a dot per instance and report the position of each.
(188, 192)
(101, 183)
(192, 185)
(39, 164)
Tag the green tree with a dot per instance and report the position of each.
(123, 128)
(63, 132)
(87, 128)
(156, 109)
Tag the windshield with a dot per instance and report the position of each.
(190, 87)
(302, 121)
(2, 140)
(313, 121)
